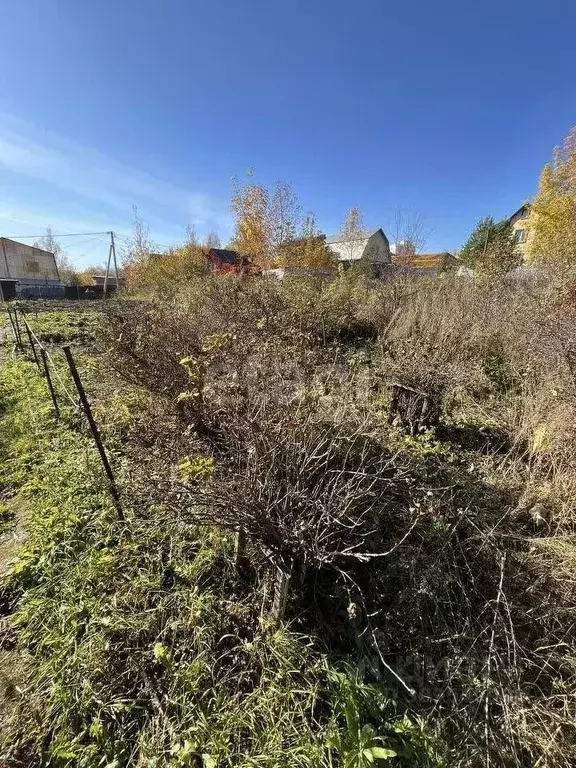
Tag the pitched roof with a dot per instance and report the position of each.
(364, 235)
(525, 206)
(426, 260)
(225, 255)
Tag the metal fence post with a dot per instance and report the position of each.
(31, 340)
(18, 328)
(94, 430)
(49, 381)
(14, 332)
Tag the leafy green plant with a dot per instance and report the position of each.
(196, 469)
(366, 727)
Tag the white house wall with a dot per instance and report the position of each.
(350, 251)
(373, 249)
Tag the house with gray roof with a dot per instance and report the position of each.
(371, 248)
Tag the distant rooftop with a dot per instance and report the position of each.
(426, 260)
(364, 235)
(225, 255)
(524, 209)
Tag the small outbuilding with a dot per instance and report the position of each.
(28, 272)
(223, 260)
(370, 248)
(426, 263)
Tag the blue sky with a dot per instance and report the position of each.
(442, 107)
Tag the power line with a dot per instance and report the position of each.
(71, 234)
(76, 259)
(79, 244)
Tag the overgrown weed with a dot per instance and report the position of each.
(438, 564)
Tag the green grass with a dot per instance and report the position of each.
(78, 326)
(135, 644)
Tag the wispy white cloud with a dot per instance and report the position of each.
(19, 217)
(101, 182)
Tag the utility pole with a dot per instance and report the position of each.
(113, 249)
(111, 255)
(107, 272)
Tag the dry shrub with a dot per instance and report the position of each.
(425, 566)
(426, 560)
(149, 341)
(309, 310)
(454, 319)
(311, 493)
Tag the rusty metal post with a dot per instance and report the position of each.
(49, 381)
(14, 333)
(240, 550)
(94, 430)
(392, 411)
(18, 328)
(31, 340)
(280, 601)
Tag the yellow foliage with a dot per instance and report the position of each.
(165, 272)
(196, 469)
(84, 279)
(306, 253)
(196, 370)
(250, 204)
(216, 341)
(270, 230)
(541, 438)
(553, 217)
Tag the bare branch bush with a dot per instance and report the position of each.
(410, 232)
(307, 492)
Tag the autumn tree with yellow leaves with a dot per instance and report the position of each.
(250, 205)
(308, 250)
(553, 217)
(270, 229)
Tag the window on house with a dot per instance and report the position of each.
(520, 236)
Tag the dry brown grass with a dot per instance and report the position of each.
(458, 553)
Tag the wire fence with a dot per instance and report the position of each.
(34, 340)
(29, 343)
